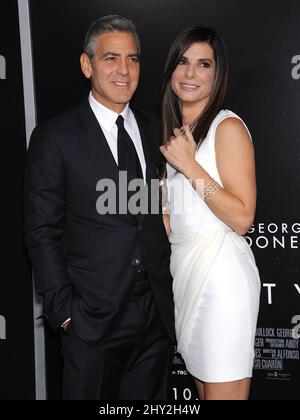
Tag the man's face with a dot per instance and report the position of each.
(114, 69)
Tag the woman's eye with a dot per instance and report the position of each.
(205, 64)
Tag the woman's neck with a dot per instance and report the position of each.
(191, 112)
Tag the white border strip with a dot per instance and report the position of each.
(30, 122)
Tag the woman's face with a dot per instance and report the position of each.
(193, 78)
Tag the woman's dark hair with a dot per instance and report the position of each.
(170, 103)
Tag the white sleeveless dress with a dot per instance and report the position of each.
(216, 282)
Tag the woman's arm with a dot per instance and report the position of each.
(166, 220)
(235, 203)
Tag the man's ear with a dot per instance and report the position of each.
(86, 65)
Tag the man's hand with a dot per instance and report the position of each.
(66, 324)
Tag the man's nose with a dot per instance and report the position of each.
(123, 67)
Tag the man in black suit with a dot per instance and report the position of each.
(104, 277)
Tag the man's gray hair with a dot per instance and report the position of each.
(105, 24)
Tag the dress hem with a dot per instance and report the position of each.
(232, 378)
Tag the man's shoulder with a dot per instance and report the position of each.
(67, 120)
(64, 127)
(151, 122)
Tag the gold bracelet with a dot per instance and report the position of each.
(211, 188)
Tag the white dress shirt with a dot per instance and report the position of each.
(107, 120)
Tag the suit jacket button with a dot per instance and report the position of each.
(135, 262)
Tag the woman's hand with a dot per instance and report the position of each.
(180, 149)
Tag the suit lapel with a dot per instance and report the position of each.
(95, 144)
(145, 136)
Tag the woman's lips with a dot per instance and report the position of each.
(189, 86)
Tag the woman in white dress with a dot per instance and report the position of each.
(211, 199)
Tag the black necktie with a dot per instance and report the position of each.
(128, 159)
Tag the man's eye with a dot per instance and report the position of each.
(134, 59)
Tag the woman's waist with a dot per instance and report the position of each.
(189, 227)
(207, 239)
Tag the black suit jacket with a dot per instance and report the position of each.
(83, 260)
